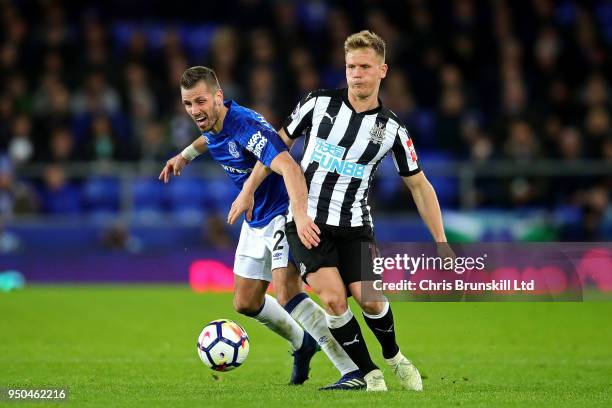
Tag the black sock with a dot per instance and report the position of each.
(384, 330)
(350, 339)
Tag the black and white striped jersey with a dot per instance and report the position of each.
(342, 150)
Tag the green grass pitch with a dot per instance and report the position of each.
(136, 346)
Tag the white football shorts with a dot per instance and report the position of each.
(261, 250)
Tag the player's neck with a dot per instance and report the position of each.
(218, 127)
(363, 104)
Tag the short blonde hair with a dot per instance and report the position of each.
(365, 39)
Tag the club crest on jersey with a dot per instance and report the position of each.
(233, 149)
(377, 133)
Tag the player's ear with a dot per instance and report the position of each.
(383, 70)
(219, 95)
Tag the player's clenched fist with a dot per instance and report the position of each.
(173, 167)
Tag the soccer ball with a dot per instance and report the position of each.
(223, 345)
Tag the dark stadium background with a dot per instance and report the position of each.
(508, 104)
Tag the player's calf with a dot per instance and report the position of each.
(383, 327)
(248, 307)
(326, 282)
(287, 284)
(248, 295)
(250, 298)
(312, 317)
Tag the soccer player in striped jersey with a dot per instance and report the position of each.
(347, 134)
(238, 138)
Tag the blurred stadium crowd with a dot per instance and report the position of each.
(472, 80)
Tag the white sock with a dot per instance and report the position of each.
(312, 317)
(335, 322)
(382, 314)
(276, 318)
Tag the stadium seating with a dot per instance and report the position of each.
(101, 194)
(148, 199)
(186, 199)
(447, 187)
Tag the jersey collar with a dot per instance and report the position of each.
(368, 112)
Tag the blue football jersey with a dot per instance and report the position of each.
(246, 137)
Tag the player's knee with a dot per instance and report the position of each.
(372, 308)
(246, 306)
(334, 301)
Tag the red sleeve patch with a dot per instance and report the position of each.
(411, 150)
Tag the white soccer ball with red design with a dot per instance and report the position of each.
(223, 345)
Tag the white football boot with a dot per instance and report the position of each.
(375, 381)
(406, 372)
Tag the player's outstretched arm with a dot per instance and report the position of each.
(307, 230)
(427, 203)
(245, 201)
(174, 166)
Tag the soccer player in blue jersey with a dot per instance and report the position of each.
(237, 138)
